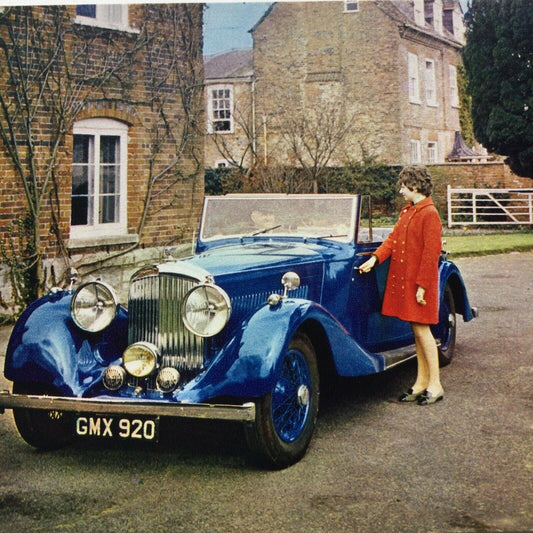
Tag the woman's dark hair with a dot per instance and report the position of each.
(416, 179)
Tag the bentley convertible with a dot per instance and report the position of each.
(243, 330)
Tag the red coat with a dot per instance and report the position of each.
(414, 247)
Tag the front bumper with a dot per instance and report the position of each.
(239, 413)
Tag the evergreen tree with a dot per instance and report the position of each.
(498, 58)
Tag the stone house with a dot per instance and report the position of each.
(111, 147)
(388, 66)
(229, 101)
(381, 73)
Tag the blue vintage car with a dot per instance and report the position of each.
(243, 330)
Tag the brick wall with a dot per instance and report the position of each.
(175, 195)
(475, 175)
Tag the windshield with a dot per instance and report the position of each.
(319, 216)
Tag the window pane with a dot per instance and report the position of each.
(351, 5)
(109, 148)
(88, 10)
(82, 180)
(82, 145)
(108, 209)
(109, 178)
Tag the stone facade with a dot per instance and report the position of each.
(132, 75)
(232, 144)
(392, 77)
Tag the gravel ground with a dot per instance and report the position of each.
(463, 465)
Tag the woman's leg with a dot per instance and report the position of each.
(428, 359)
(422, 370)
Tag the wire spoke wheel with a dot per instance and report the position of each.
(286, 417)
(290, 398)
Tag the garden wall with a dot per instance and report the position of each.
(490, 175)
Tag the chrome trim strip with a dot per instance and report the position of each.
(398, 356)
(238, 413)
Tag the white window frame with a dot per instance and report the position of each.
(430, 82)
(415, 152)
(113, 16)
(454, 91)
(414, 80)
(211, 120)
(351, 6)
(98, 127)
(433, 152)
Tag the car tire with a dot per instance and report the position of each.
(286, 416)
(47, 430)
(445, 331)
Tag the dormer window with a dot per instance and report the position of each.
(419, 12)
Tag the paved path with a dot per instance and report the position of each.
(463, 465)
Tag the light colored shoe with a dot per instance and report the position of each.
(427, 398)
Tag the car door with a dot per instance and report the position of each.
(370, 328)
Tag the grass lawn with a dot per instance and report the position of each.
(488, 243)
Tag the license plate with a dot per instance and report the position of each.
(146, 429)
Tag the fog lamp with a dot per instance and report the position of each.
(113, 377)
(140, 359)
(167, 379)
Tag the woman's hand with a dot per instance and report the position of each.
(368, 265)
(420, 293)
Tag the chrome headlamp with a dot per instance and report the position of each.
(207, 309)
(94, 306)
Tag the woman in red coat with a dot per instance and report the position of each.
(412, 290)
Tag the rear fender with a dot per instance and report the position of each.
(47, 347)
(449, 275)
(249, 362)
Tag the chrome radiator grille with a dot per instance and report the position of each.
(154, 308)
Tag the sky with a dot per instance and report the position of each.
(227, 25)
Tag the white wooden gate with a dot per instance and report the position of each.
(469, 207)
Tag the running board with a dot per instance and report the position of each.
(400, 355)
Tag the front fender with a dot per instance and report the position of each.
(248, 364)
(47, 347)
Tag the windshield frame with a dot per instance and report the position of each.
(285, 217)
